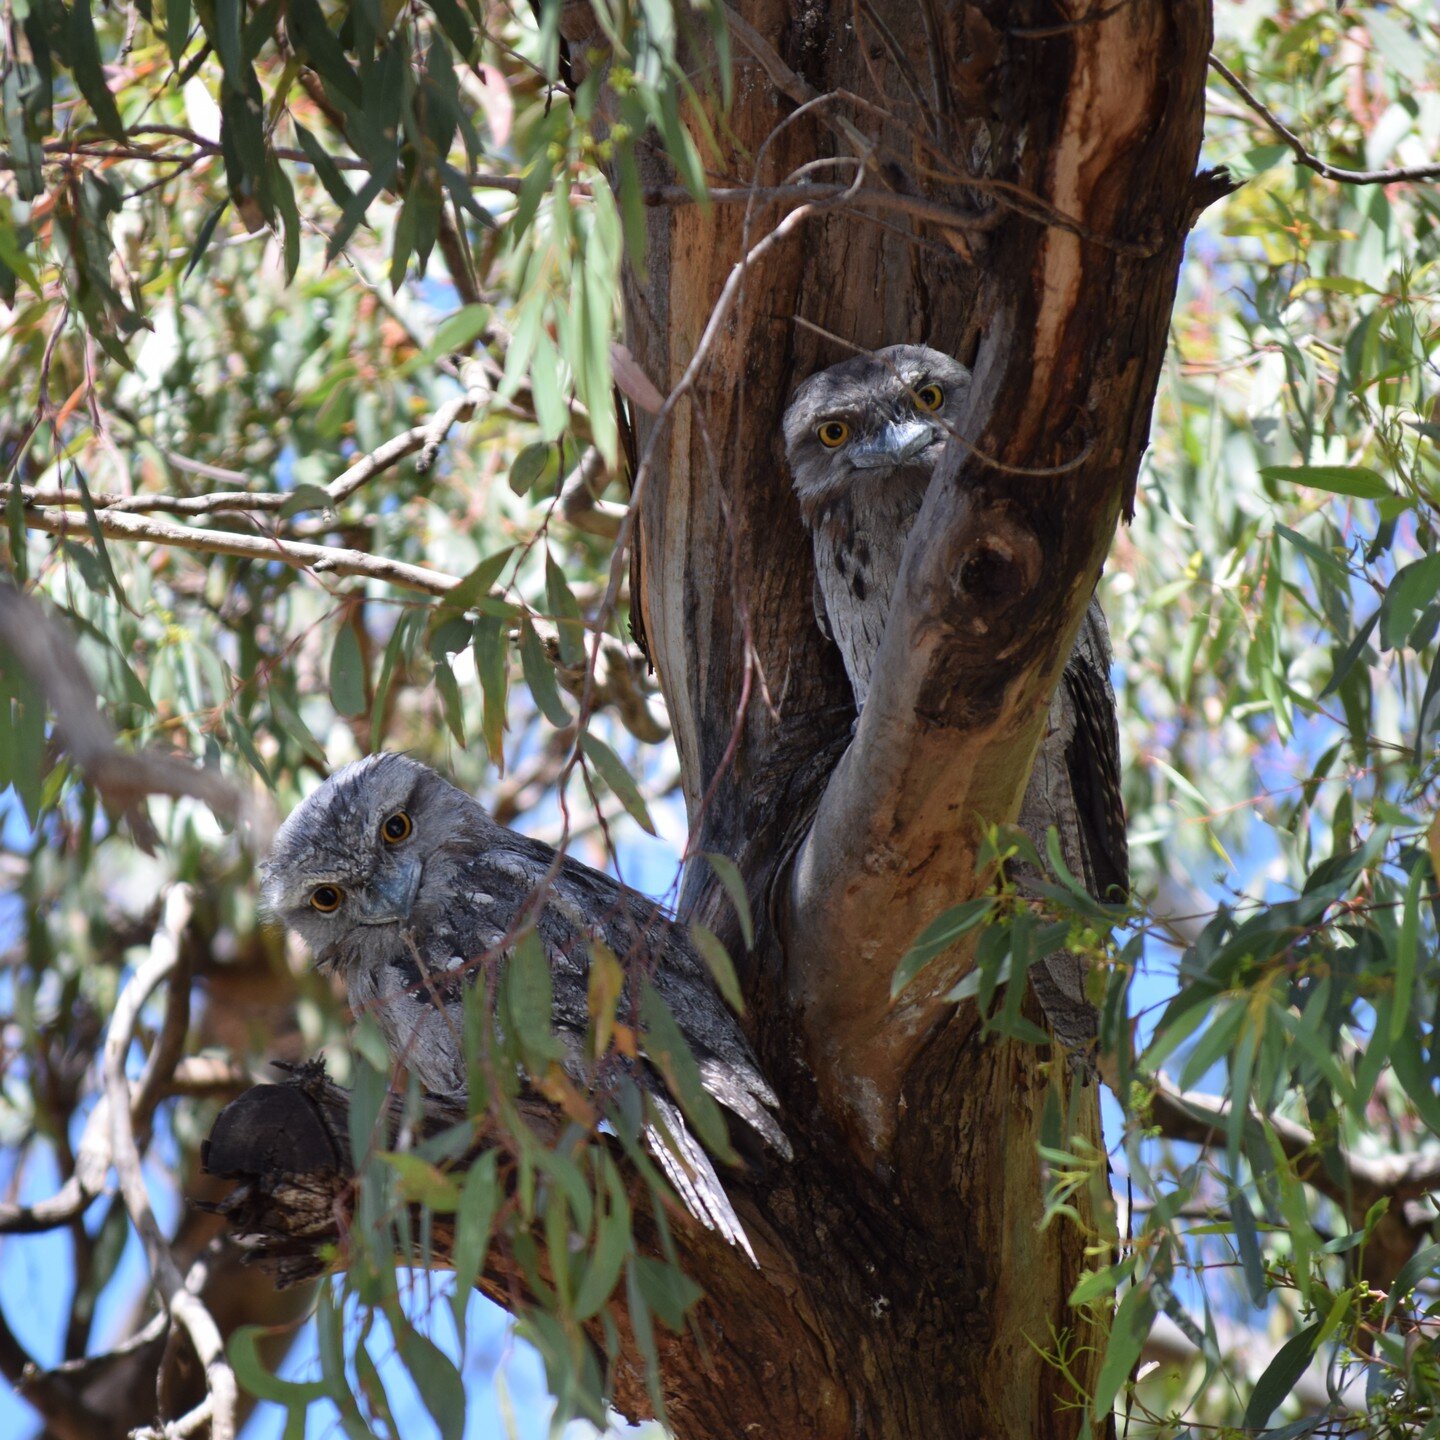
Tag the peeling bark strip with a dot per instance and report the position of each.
(905, 1289)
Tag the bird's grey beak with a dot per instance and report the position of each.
(899, 441)
(387, 899)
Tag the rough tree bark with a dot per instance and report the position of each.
(914, 1292)
(1024, 182)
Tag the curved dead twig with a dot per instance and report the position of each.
(1013, 197)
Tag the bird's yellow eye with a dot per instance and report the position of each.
(833, 433)
(930, 397)
(326, 898)
(397, 828)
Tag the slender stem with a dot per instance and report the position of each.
(1305, 157)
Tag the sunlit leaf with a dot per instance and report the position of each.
(618, 778)
(1354, 480)
(347, 671)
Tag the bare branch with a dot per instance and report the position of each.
(186, 1425)
(45, 652)
(452, 412)
(1046, 32)
(183, 1305)
(426, 438)
(1305, 157)
(125, 777)
(1015, 197)
(580, 503)
(1201, 1119)
(54, 1395)
(334, 559)
(48, 1214)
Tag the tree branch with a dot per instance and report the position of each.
(1017, 198)
(1000, 566)
(183, 1305)
(52, 1393)
(1305, 157)
(1201, 1119)
(44, 651)
(332, 559)
(580, 502)
(426, 438)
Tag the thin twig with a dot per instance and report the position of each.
(334, 559)
(186, 1425)
(56, 1397)
(732, 288)
(426, 438)
(1304, 156)
(1014, 197)
(1046, 32)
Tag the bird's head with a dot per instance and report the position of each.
(347, 870)
(879, 415)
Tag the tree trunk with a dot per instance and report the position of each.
(1026, 180)
(908, 1288)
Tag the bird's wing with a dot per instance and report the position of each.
(1075, 787)
(1093, 760)
(690, 1170)
(579, 903)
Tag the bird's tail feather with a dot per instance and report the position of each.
(745, 1093)
(689, 1169)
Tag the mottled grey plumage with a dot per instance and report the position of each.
(859, 499)
(455, 887)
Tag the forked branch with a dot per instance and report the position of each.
(1005, 554)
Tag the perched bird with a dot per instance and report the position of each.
(863, 439)
(404, 886)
